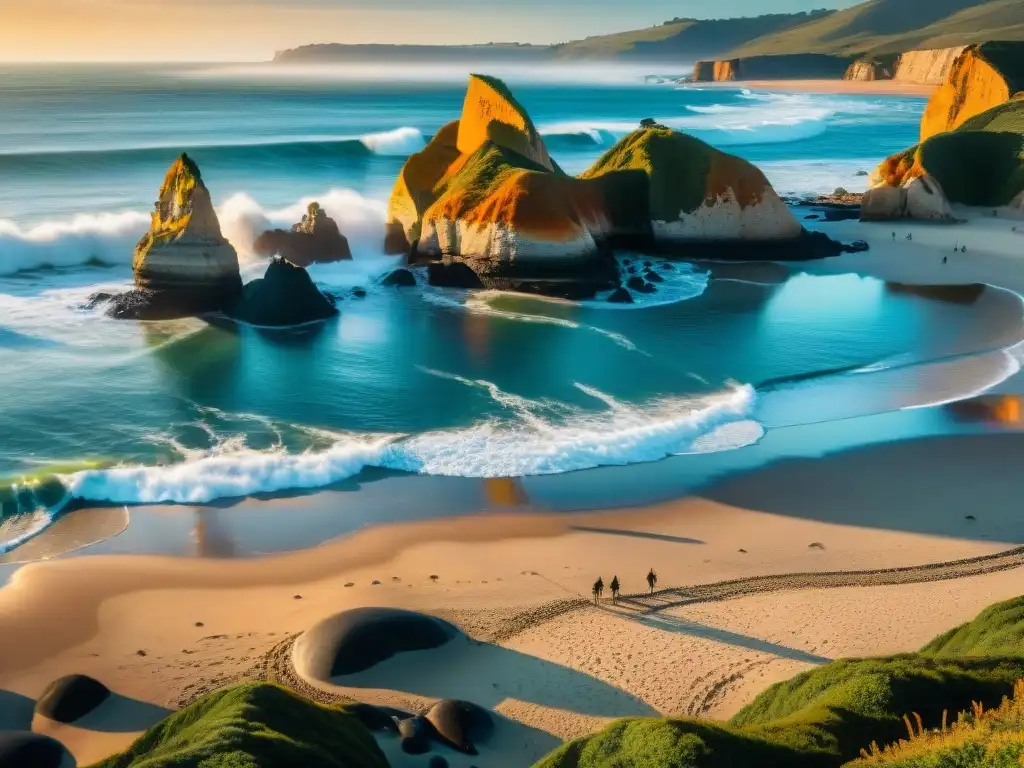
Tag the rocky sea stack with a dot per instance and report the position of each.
(284, 296)
(183, 266)
(973, 155)
(314, 240)
(485, 193)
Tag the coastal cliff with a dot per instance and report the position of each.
(982, 76)
(923, 67)
(797, 66)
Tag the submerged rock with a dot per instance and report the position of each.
(284, 296)
(314, 240)
(620, 296)
(460, 724)
(400, 278)
(183, 265)
(640, 285)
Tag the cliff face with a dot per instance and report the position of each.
(982, 76)
(491, 113)
(797, 66)
(930, 67)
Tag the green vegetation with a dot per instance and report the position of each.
(881, 26)
(980, 738)
(996, 631)
(1006, 117)
(676, 166)
(254, 725)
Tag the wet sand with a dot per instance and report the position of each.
(868, 88)
(160, 631)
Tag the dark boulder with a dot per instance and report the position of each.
(653, 277)
(401, 278)
(24, 749)
(460, 724)
(377, 718)
(355, 640)
(455, 274)
(284, 296)
(314, 240)
(416, 733)
(640, 285)
(436, 761)
(620, 296)
(70, 698)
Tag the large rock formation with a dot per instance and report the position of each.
(795, 66)
(980, 163)
(694, 192)
(506, 210)
(183, 265)
(982, 76)
(314, 240)
(284, 296)
(923, 67)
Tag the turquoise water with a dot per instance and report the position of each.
(420, 380)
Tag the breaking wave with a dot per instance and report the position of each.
(109, 238)
(534, 438)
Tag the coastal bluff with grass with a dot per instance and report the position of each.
(486, 194)
(972, 147)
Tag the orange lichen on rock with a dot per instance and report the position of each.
(982, 77)
(898, 169)
(491, 113)
(726, 173)
(413, 192)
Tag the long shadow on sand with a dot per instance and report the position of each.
(724, 636)
(15, 711)
(637, 534)
(122, 714)
(924, 485)
(487, 675)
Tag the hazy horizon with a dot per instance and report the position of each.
(117, 31)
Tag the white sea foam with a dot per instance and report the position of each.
(400, 142)
(111, 237)
(531, 441)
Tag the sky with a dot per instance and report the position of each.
(252, 30)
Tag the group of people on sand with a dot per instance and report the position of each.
(598, 589)
(957, 248)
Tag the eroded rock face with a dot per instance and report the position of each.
(314, 240)
(486, 194)
(920, 197)
(183, 265)
(981, 77)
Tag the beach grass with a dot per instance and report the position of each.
(250, 726)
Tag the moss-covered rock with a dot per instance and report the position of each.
(284, 296)
(980, 163)
(983, 76)
(183, 265)
(314, 240)
(254, 725)
(694, 191)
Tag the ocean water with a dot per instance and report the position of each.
(421, 380)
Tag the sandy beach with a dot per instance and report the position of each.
(160, 631)
(865, 87)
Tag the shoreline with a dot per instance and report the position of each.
(160, 629)
(864, 87)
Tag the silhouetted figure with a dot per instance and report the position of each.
(598, 589)
(615, 588)
(652, 580)
(894, 237)
(909, 236)
(963, 249)
(945, 259)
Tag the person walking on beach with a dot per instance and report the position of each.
(615, 588)
(894, 237)
(945, 259)
(598, 589)
(963, 249)
(909, 236)
(652, 580)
